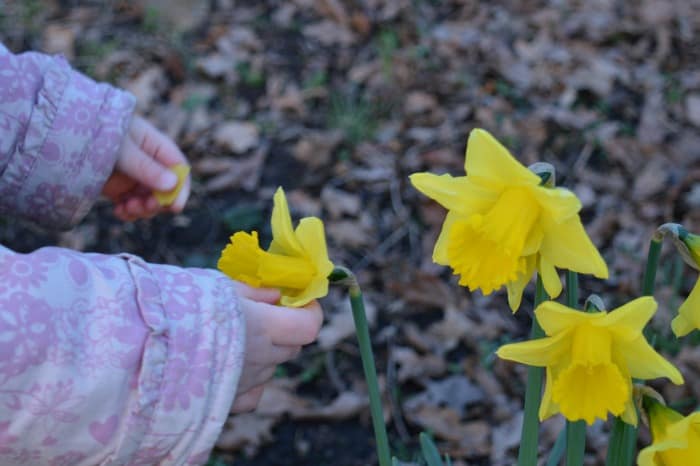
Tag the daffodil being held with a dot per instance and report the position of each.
(503, 223)
(676, 439)
(591, 358)
(296, 262)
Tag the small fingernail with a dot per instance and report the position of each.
(168, 181)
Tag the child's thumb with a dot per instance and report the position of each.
(139, 166)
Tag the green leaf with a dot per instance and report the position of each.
(622, 445)
(430, 451)
(557, 450)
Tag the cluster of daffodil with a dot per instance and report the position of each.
(504, 223)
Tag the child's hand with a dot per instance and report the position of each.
(274, 335)
(142, 167)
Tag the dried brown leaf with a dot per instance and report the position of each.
(237, 136)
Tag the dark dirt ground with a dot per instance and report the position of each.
(338, 102)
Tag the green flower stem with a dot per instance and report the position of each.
(344, 277)
(529, 437)
(652, 264)
(575, 442)
(558, 449)
(575, 431)
(623, 438)
(621, 447)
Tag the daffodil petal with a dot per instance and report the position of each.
(628, 321)
(661, 418)
(643, 362)
(456, 194)
(540, 352)
(681, 326)
(561, 204)
(556, 318)
(550, 277)
(680, 428)
(284, 241)
(548, 407)
(280, 271)
(317, 288)
(534, 240)
(688, 317)
(648, 455)
(517, 286)
(567, 246)
(440, 255)
(488, 162)
(312, 237)
(629, 415)
(676, 439)
(686, 448)
(166, 198)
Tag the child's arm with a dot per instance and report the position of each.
(64, 139)
(110, 359)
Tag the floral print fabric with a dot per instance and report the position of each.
(103, 359)
(59, 136)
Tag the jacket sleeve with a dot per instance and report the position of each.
(109, 360)
(59, 137)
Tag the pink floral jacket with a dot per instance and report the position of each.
(104, 360)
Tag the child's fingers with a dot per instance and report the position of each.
(248, 401)
(136, 164)
(261, 295)
(273, 355)
(155, 143)
(292, 326)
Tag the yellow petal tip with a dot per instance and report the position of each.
(166, 198)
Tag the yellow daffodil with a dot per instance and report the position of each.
(590, 359)
(502, 224)
(296, 262)
(688, 318)
(676, 439)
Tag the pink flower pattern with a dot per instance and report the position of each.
(186, 376)
(25, 333)
(60, 136)
(20, 272)
(101, 356)
(178, 290)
